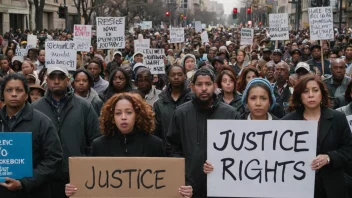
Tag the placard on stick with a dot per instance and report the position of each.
(177, 35)
(61, 53)
(154, 60)
(82, 36)
(278, 26)
(321, 23)
(111, 32)
(141, 44)
(107, 177)
(247, 35)
(271, 156)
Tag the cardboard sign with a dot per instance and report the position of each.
(247, 35)
(82, 36)
(107, 177)
(146, 25)
(154, 60)
(205, 37)
(177, 35)
(349, 119)
(15, 155)
(278, 26)
(321, 23)
(111, 32)
(204, 26)
(61, 53)
(271, 156)
(21, 52)
(31, 41)
(139, 45)
(198, 26)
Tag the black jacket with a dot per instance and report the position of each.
(312, 63)
(47, 152)
(282, 99)
(335, 140)
(136, 144)
(164, 108)
(77, 125)
(187, 137)
(236, 102)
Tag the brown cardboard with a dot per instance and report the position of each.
(81, 175)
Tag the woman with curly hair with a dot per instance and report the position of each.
(247, 75)
(127, 124)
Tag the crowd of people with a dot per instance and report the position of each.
(119, 108)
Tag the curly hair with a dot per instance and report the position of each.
(296, 101)
(144, 114)
(242, 83)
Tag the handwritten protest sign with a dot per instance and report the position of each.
(272, 157)
(204, 26)
(82, 36)
(111, 32)
(145, 25)
(247, 35)
(15, 155)
(321, 23)
(198, 26)
(204, 36)
(61, 53)
(126, 176)
(31, 41)
(278, 26)
(154, 60)
(21, 52)
(141, 44)
(177, 35)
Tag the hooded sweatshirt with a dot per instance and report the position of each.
(110, 91)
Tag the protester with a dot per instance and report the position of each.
(315, 62)
(310, 101)
(28, 68)
(189, 63)
(127, 125)
(282, 89)
(247, 75)
(18, 116)
(95, 67)
(187, 132)
(75, 120)
(35, 92)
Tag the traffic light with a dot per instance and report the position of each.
(62, 12)
(234, 14)
(167, 14)
(249, 10)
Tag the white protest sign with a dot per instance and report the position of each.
(204, 26)
(82, 36)
(247, 35)
(111, 32)
(154, 60)
(31, 41)
(145, 25)
(349, 119)
(139, 45)
(61, 53)
(321, 23)
(271, 156)
(198, 26)
(177, 35)
(21, 52)
(278, 26)
(204, 37)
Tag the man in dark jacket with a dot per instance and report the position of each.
(315, 62)
(18, 116)
(75, 120)
(187, 135)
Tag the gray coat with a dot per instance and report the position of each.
(77, 125)
(95, 100)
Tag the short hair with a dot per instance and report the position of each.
(240, 50)
(203, 72)
(348, 92)
(96, 61)
(348, 46)
(144, 114)
(143, 70)
(175, 65)
(228, 71)
(296, 101)
(14, 76)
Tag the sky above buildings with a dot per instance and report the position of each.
(229, 5)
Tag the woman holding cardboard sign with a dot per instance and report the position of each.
(127, 123)
(310, 101)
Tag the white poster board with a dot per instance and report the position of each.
(31, 41)
(205, 37)
(278, 26)
(21, 52)
(349, 119)
(154, 60)
(61, 53)
(146, 25)
(204, 26)
(247, 35)
(243, 152)
(82, 36)
(198, 26)
(177, 35)
(141, 44)
(321, 23)
(110, 32)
